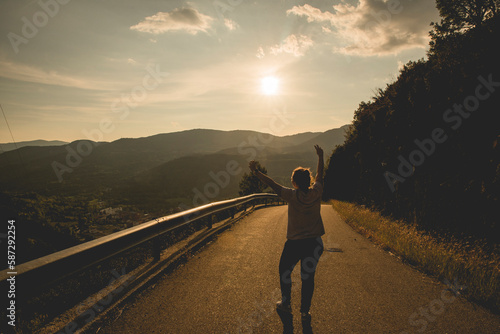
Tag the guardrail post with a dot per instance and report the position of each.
(232, 213)
(156, 249)
(210, 221)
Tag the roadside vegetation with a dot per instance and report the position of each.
(474, 264)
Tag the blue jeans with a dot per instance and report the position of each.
(308, 251)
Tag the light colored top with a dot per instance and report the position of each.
(304, 217)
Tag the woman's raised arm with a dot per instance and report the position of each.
(321, 163)
(264, 178)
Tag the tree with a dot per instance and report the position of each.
(460, 15)
(454, 186)
(250, 184)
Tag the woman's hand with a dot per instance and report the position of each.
(252, 165)
(319, 150)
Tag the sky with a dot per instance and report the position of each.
(110, 69)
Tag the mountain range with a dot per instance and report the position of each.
(170, 167)
(4, 147)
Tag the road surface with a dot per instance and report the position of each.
(232, 285)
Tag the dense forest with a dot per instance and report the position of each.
(426, 148)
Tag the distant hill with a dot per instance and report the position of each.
(301, 137)
(328, 140)
(303, 142)
(146, 177)
(4, 147)
(170, 164)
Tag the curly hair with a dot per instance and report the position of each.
(301, 177)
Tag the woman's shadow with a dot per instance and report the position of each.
(287, 321)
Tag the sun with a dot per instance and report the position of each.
(269, 85)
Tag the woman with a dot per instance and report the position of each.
(304, 231)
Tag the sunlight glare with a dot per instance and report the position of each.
(269, 85)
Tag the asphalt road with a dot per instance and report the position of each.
(232, 285)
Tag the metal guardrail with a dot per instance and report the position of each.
(55, 267)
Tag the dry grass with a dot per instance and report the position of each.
(443, 257)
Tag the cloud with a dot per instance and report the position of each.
(260, 53)
(230, 24)
(180, 19)
(295, 45)
(312, 13)
(27, 73)
(375, 27)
